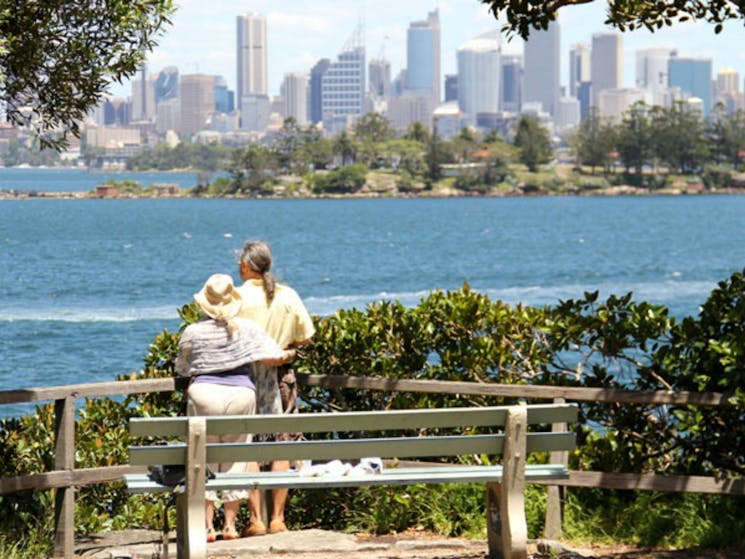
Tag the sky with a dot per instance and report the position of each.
(201, 38)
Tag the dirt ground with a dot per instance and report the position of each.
(319, 544)
(413, 545)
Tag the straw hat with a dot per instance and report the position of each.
(219, 298)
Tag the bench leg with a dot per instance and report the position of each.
(506, 526)
(190, 527)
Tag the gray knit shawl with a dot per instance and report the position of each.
(209, 347)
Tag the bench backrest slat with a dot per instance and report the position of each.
(349, 449)
(354, 421)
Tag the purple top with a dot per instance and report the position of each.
(234, 377)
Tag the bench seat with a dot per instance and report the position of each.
(140, 483)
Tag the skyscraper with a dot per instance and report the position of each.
(606, 63)
(512, 78)
(295, 94)
(478, 76)
(728, 81)
(379, 73)
(451, 87)
(693, 77)
(143, 98)
(224, 98)
(423, 58)
(316, 76)
(166, 84)
(197, 94)
(541, 73)
(728, 90)
(343, 85)
(251, 56)
(579, 66)
(651, 68)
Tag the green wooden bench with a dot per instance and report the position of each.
(413, 439)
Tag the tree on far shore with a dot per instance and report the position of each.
(522, 17)
(57, 59)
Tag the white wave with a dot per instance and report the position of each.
(674, 294)
(663, 293)
(652, 292)
(90, 315)
(328, 305)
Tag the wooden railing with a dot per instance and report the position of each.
(65, 477)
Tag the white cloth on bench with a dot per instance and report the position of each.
(370, 465)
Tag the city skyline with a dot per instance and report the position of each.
(202, 38)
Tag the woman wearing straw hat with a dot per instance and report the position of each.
(217, 354)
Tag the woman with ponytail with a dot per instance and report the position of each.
(279, 310)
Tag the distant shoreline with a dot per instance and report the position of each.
(516, 193)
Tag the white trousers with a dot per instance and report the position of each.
(217, 399)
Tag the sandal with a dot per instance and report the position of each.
(230, 534)
(276, 526)
(254, 529)
(211, 536)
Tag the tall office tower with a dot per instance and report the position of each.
(398, 86)
(295, 94)
(512, 78)
(613, 104)
(251, 56)
(579, 66)
(541, 73)
(584, 96)
(606, 63)
(423, 58)
(343, 85)
(379, 74)
(143, 98)
(197, 95)
(568, 116)
(728, 90)
(728, 81)
(478, 76)
(224, 98)
(116, 112)
(651, 68)
(693, 77)
(166, 84)
(451, 87)
(316, 75)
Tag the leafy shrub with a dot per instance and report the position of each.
(344, 180)
(715, 176)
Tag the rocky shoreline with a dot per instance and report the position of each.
(620, 190)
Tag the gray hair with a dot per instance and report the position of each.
(258, 257)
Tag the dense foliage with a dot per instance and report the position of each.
(205, 157)
(675, 139)
(58, 58)
(465, 336)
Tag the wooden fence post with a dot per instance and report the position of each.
(64, 459)
(555, 497)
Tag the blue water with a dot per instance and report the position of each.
(86, 284)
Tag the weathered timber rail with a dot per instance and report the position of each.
(65, 477)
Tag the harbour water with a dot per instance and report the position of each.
(87, 284)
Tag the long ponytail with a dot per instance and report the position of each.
(258, 257)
